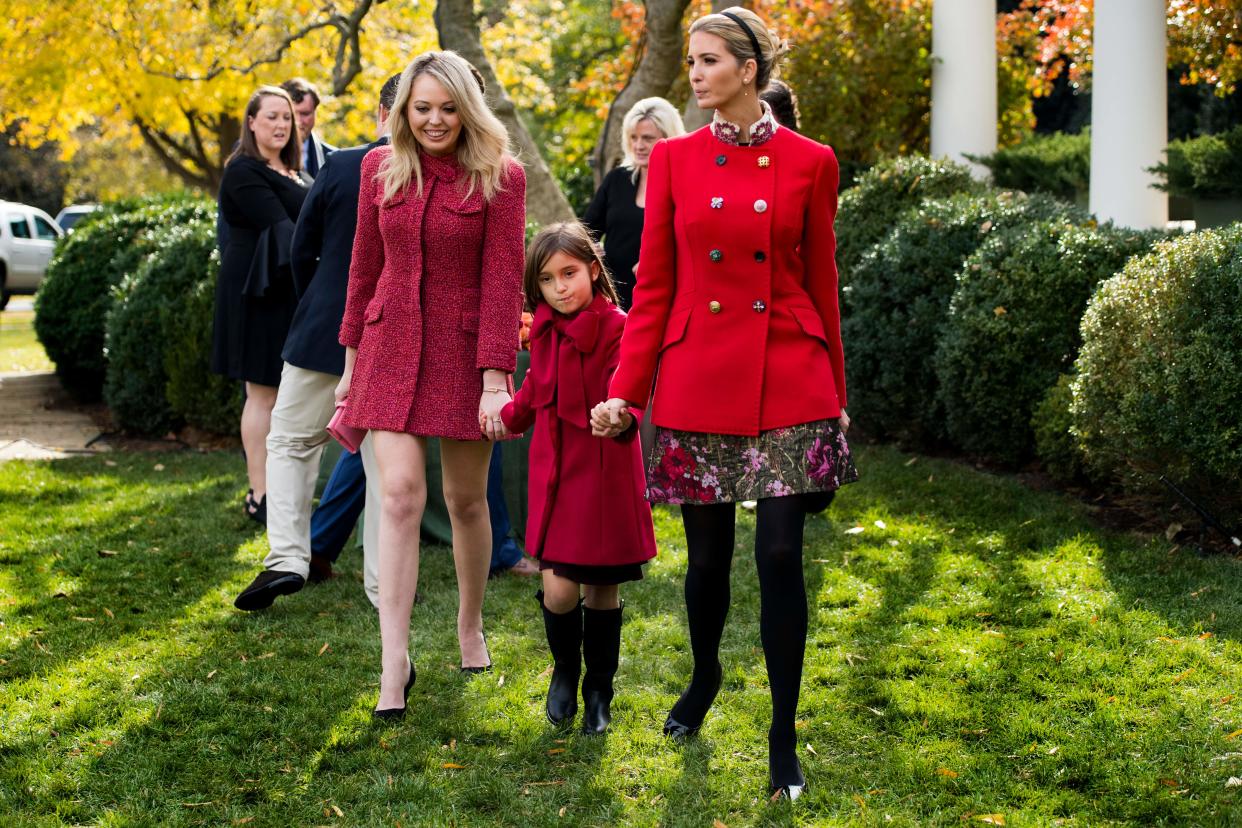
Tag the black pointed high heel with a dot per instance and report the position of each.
(486, 668)
(684, 730)
(392, 714)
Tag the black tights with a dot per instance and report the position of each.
(782, 615)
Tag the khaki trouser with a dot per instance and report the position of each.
(304, 405)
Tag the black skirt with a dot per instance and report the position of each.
(594, 575)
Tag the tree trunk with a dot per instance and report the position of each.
(659, 61)
(694, 117)
(458, 30)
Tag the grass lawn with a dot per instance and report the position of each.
(19, 349)
(981, 654)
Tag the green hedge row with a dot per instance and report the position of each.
(126, 312)
(1013, 326)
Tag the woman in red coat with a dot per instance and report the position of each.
(435, 295)
(737, 304)
(589, 525)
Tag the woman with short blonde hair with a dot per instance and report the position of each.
(615, 215)
(430, 331)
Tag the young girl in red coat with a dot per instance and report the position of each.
(589, 523)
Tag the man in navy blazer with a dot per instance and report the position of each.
(322, 247)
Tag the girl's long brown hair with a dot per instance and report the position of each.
(573, 239)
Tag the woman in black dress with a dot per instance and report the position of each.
(615, 215)
(260, 197)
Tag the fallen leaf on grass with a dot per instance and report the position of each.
(265, 655)
(1233, 782)
(1226, 699)
(324, 648)
(1166, 639)
(1205, 636)
(243, 821)
(1234, 735)
(106, 553)
(82, 618)
(158, 467)
(1172, 783)
(992, 819)
(1111, 700)
(1053, 751)
(108, 613)
(855, 530)
(718, 824)
(212, 673)
(555, 751)
(1200, 591)
(561, 812)
(338, 812)
(810, 749)
(1171, 532)
(267, 709)
(452, 766)
(879, 524)
(1180, 677)
(951, 774)
(110, 463)
(912, 461)
(501, 681)
(894, 542)
(862, 803)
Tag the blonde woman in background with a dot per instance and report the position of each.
(615, 215)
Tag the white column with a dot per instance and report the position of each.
(1129, 112)
(963, 102)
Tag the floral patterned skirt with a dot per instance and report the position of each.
(695, 467)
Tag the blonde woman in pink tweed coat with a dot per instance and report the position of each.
(430, 330)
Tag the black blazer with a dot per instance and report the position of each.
(323, 243)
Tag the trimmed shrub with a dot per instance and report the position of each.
(1012, 328)
(196, 395)
(1055, 444)
(1159, 377)
(153, 310)
(72, 303)
(1059, 164)
(1209, 166)
(867, 212)
(893, 308)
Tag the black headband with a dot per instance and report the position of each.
(754, 42)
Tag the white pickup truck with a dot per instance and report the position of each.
(27, 238)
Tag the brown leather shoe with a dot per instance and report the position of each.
(525, 568)
(320, 570)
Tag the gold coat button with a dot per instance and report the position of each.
(713, 306)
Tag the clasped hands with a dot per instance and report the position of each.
(611, 417)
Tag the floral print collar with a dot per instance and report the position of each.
(761, 131)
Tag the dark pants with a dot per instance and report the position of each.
(505, 551)
(345, 495)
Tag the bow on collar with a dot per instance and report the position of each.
(565, 340)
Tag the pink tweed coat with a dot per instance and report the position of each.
(435, 297)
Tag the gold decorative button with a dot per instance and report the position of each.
(761, 206)
(715, 255)
(765, 161)
(759, 306)
(713, 306)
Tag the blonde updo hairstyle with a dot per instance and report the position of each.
(483, 144)
(772, 49)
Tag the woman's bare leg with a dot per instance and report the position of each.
(256, 422)
(465, 465)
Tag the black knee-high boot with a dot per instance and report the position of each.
(709, 547)
(564, 633)
(783, 629)
(601, 652)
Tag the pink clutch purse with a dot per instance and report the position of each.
(349, 437)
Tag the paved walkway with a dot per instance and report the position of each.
(38, 419)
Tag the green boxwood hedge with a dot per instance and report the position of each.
(158, 337)
(1012, 328)
(1059, 164)
(1209, 166)
(895, 304)
(73, 301)
(868, 211)
(1158, 386)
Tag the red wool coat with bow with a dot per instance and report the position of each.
(587, 503)
(736, 298)
(435, 295)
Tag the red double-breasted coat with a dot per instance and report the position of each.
(435, 295)
(736, 300)
(586, 493)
